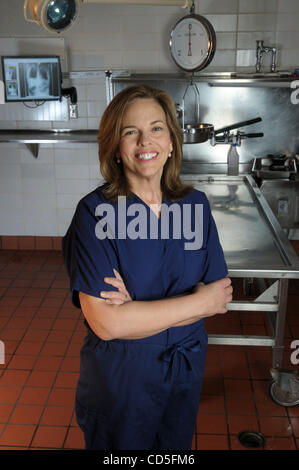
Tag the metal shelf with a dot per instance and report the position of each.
(33, 137)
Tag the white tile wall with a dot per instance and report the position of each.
(288, 6)
(257, 22)
(38, 196)
(207, 7)
(258, 6)
(288, 22)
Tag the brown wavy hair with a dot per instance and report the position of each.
(109, 136)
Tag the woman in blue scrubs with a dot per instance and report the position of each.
(143, 285)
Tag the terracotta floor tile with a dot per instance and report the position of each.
(275, 426)
(240, 405)
(19, 322)
(261, 387)
(30, 302)
(41, 378)
(53, 349)
(255, 330)
(71, 364)
(239, 423)
(49, 436)
(42, 323)
(59, 336)
(260, 370)
(44, 312)
(5, 412)
(22, 362)
(212, 442)
(259, 354)
(234, 363)
(26, 414)
(56, 293)
(12, 334)
(27, 312)
(57, 416)
(6, 310)
(9, 394)
(62, 397)
(14, 377)
(34, 395)
(212, 386)
(295, 426)
(293, 411)
(73, 313)
(267, 407)
(49, 363)
(74, 439)
(36, 292)
(213, 365)
(66, 380)
(64, 324)
(17, 435)
(52, 302)
(61, 283)
(211, 424)
(35, 335)
(74, 349)
(235, 386)
(29, 348)
(251, 318)
(10, 301)
(280, 443)
(42, 283)
(211, 404)
(78, 336)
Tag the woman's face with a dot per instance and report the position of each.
(145, 140)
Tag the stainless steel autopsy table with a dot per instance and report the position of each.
(255, 246)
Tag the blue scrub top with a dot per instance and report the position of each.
(151, 268)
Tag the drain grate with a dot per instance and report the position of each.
(251, 439)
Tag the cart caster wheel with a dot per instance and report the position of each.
(283, 397)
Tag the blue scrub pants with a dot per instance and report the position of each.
(141, 394)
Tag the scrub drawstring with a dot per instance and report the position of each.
(171, 356)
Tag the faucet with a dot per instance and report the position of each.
(260, 50)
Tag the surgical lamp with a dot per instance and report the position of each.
(57, 16)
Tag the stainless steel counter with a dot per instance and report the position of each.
(253, 241)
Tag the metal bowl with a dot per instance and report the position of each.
(198, 133)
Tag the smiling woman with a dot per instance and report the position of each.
(114, 132)
(143, 298)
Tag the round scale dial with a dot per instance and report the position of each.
(193, 43)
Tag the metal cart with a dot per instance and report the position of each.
(255, 247)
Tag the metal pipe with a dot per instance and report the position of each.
(260, 50)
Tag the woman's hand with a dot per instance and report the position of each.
(116, 297)
(215, 295)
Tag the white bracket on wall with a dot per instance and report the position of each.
(34, 149)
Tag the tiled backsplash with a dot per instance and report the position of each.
(38, 196)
